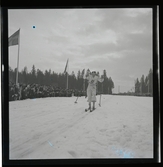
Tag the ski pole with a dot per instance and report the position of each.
(100, 101)
(101, 91)
(76, 99)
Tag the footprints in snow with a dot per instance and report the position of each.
(103, 130)
(72, 153)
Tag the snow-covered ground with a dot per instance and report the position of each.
(53, 128)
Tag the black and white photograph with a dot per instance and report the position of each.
(80, 83)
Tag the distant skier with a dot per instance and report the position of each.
(92, 78)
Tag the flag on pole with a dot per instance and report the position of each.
(14, 39)
(66, 67)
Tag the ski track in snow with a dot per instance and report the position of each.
(53, 128)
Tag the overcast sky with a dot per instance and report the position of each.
(118, 40)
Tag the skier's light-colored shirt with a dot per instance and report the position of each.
(93, 80)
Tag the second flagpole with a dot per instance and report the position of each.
(67, 81)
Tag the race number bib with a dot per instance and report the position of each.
(92, 81)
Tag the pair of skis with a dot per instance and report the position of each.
(89, 109)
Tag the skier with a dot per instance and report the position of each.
(92, 78)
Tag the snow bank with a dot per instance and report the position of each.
(53, 128)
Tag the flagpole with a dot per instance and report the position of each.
(18, 58)
(67, 72)
(67, 80)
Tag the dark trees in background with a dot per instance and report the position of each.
(107, 85)
(48, 77)
(145, 86)
(137, 86)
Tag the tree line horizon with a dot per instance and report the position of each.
(51, 78)
(76, 81)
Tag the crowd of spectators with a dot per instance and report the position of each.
(31, 91)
